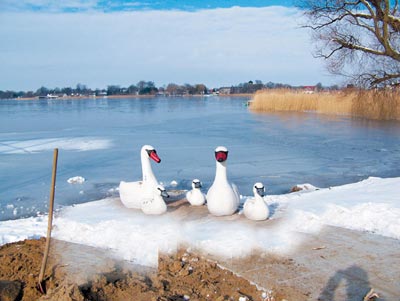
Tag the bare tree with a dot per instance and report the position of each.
(359, 39)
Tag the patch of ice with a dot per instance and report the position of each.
(112, 190)
(76, 180)
(307, 187)
(41, 145)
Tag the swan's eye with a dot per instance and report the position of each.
(149, 151)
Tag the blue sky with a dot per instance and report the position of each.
(99, 43)
(123, 5)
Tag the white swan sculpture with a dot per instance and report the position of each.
(156, 204)
(222, 197)
(255, 207)
(133, 194)
(195, 197)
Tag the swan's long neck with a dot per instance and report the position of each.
(258, 197)
(220, 174)
(147, 171)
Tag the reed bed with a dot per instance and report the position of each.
(381, 105)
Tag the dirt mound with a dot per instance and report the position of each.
(21, 262)
(182, 276)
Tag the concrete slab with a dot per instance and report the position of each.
(336, 264)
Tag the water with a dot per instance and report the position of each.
(100, 140)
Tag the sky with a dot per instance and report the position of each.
(371, 205)
(100, 43)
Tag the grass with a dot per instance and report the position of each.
(380, 105)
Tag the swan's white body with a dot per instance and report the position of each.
(133, 194)
(156, 204)
(255, 207)
(222, 197)
(195, 197)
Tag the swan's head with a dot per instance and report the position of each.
(259, 189)
(221, 154)
(161, 190)
(151, 152)
(196, 183)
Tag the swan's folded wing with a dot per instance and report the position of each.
(129, 193)
(236, 191)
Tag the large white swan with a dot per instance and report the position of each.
(195, 197)
(222, 197)
(132, 194)
(255, 207)
(156, 204)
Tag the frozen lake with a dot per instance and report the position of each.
(100, 140)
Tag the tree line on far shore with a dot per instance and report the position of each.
(149, 88)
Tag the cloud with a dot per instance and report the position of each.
(215, 47)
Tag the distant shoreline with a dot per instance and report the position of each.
(131, 96)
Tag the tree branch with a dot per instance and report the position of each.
(363, 32)
(385, 78)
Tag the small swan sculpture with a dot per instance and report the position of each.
(222, 197)
(255, 207)
(133, 194)
(195, 197)
(156, 204)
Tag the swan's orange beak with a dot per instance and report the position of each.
(154, 156)
(221, 156)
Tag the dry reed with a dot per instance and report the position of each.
(382, 105)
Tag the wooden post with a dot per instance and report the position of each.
(50, 220)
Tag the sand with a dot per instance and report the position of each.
(76, 272)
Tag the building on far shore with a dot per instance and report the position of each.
(225, 90)
(48, 96)
(309, 89)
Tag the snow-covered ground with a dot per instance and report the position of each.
(371, 205)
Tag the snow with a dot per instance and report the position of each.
(371, 205)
